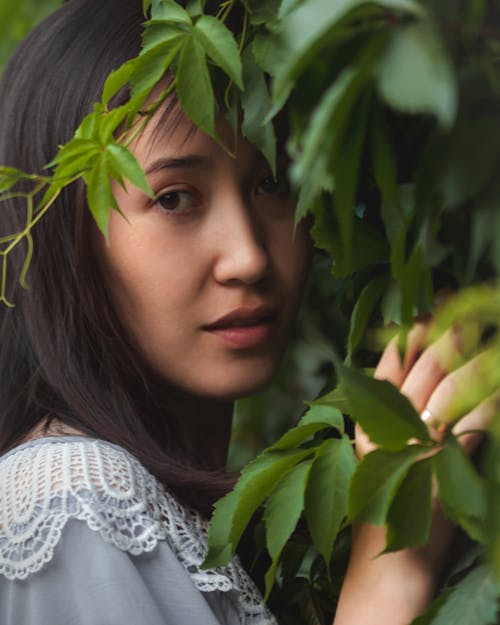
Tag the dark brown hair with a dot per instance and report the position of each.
(63, 350)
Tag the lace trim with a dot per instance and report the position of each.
(43, 485)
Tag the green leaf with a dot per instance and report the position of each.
(195, 7)
(89, 127)
(346, 169)
(427, 618)
(461, 490)
(194, 87)
(73, 149)
(159, 33)
(385, 170)
(308, 28)
(313, 164)
(72, 167)
(110, 122)
(409, 517)
(376, 481)
(233, 512)
(152, 65)
(169, 11)
(387, 416)
(363, 309)
(409, 276)
(334, 399)
(472, 602)
(371, 248)
(127, 164)
(324, 414)
(297, 435)
(9, 176)
(220, 46)
(116, 80)
(472, 156)
(283, 510)
(492, 525)
(99, 196)
(264, 11)
(327, 493)
(256, 102)
(416, 76)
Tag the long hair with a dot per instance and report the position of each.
(63, 351)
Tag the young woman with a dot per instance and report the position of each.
(120, 363)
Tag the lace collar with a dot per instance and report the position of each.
(48, 481)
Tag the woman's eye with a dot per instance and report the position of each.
(176, 201)
(274, 186)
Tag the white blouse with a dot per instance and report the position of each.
(88, 536)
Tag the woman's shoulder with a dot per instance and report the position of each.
(48, 481)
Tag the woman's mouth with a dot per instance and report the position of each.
(245, 328)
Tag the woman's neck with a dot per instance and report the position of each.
(206, 426)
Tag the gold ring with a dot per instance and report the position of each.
(431, 421)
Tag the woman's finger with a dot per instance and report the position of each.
(390, 366)
(469, 428)
(431, 367)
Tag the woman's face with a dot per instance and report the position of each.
(207, 277)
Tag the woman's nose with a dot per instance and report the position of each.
(242, 255)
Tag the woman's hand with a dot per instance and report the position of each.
(394, 588)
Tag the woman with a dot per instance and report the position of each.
(120, 364)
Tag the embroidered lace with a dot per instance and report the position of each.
(45, 484)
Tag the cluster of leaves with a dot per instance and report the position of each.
(312, 473)
(393, 107)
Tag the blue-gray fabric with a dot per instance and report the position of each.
(91, 582)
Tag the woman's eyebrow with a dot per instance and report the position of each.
(189, 161)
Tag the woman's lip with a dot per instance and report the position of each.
(246, 336)
(244, 316)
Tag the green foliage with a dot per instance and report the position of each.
(383, 412)
(393, 110)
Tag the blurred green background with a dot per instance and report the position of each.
(17, 17)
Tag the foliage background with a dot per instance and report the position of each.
(394, 107)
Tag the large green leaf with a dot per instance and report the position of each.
(233, 512)
(127, 164)
(324, 414)
(461, 489)
(116, 80)
(151, 66)
(283, 510)
(99, 197)
(308, 28)
(409, 517)
(311, 171)
(220, 46)
(377, 480)
(427, 618)
(327, 493)
(363, 309)
(472, 602)
(415, 74)
(385, 171)
(256, 102)
(346, 168)
(194, 86)
(169, 11)
(159, 33)
(387, 416)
